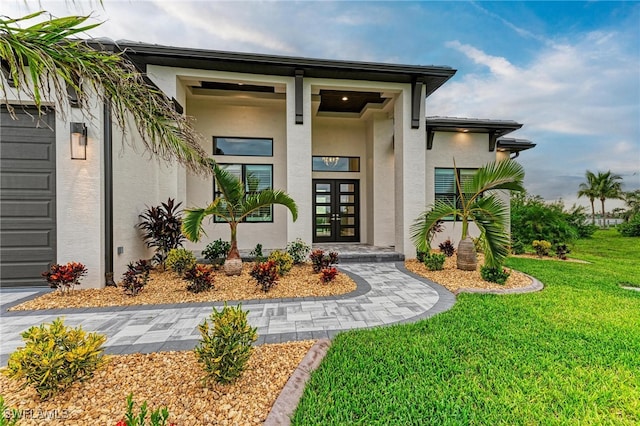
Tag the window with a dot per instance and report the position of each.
(446, 185)
(325, 163)
(257, 147)
(256, 177)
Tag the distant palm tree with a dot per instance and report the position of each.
(632, 201)
(489, 212)
(232, 207)
(608, 186)
(590, 191)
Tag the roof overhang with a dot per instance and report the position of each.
(514, 145)
(143, 54)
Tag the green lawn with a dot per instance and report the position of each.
(569, 354)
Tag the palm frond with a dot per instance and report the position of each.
(421, 227)
(45, 57)
(229, 185)
(192, 219)
(491, 215)
(266, 198)
(506, 174)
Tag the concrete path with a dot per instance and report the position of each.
(387, 294)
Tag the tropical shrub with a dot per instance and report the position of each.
(256, 253)
(283, 261)
(298, 250)
(447, 247)
(328, 274)
(420, 255)
(64, 277)
(320, 260)
(517, 247)
(630, 228)
(216, 252)
(562, 250)
(434, 261)
(199, 277)
(158, 417)
(541, 247)
(225, 346)
(54, 357)
(265, 274)
(161, 229)
(496, 275)
(180, 259)
(136, 276)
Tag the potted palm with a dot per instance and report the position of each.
(232, 207)
(488, 211)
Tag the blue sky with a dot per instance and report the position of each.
(569, 71)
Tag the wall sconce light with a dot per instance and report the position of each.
(78, 141)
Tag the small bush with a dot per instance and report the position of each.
(200, 278)
(298, 250)
(158, 417)
(256, 253)
(321, 261)
(216, 252)
(225, 346)
(420, 255)
(136, 276)
(54, 357)
(64, 277)
(494, 275)
(630, 228)
(328, 274)
(162, 229)
(517, 247)
(283, 261)
(447, 248)
(562, 250)
(179, 260)
(541, 247)
(265, 274)
(434, 261)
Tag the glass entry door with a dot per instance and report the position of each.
(336, 213)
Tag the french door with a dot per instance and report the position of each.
(336, 212)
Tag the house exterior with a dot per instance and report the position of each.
(350, 142)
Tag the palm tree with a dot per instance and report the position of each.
(232, 206)
(46, 58)
(489, 212)
(632, 201)
(589, 190)
(608, 185)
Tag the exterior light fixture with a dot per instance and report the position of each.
(344, 98)
(78, 141)
(330, 161)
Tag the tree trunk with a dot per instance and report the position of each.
(593, 213)
(233, 264)
(467, 259)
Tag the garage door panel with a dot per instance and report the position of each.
(27, 199)
(27, 118)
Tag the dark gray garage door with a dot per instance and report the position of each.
(27, 197)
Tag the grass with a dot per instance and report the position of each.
(569, 354)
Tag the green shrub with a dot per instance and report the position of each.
(225, 346)
(447, 247)
(217, 251)
(478, 244)
(8, 416)
(256, 253)
(630, 228)
(298, 250)
(517, 247)
(434, 261)
(321, 261)
(283, 261)
(54, 357)
(179, 260)
(158, 417)
(541, 247)
(420, 255)
(496, 275)
(199, 277)
(265, 274)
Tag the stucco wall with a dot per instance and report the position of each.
(261, 119)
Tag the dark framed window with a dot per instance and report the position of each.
(255, 177)
(446, 188)
(328, 163)
(256, 147)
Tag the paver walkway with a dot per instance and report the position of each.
(387, 294)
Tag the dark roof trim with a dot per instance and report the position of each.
(473, 125)
(144, 54)
(515, 145)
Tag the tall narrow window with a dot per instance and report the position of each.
(255, 177)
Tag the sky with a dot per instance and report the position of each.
(568, 71)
